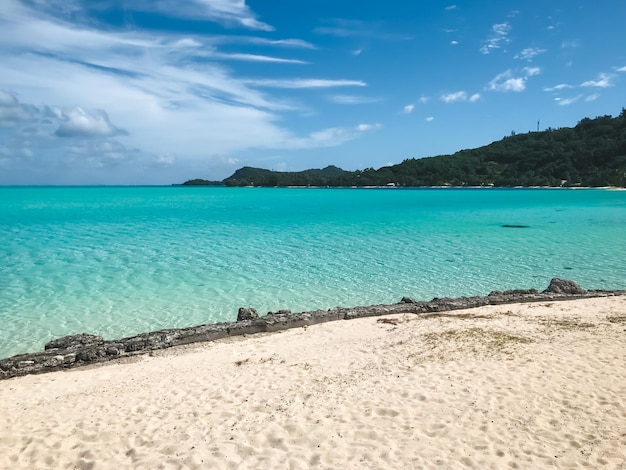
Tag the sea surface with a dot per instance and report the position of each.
(117, 261)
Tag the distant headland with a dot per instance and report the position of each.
(591, 154)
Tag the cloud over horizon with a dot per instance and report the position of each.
(153, 91)
(147, 85)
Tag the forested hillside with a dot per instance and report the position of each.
(593, 153)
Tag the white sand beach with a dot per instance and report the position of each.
(537, 385)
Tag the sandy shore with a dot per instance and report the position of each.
(539, 385)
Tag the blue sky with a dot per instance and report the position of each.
(160, 91)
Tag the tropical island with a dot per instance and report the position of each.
(593, 153)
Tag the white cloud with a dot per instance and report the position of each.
(409, 108)
(78, 123)
(424, 99)
(451, 7)
(531, 71)
(567, 101)
(498, 38)
(459, 96)
(603, 81)
(622, 69)
(367, 127)
(140, 96)
(454, 43)
(304, 83)
(512, 84)
(357, 52)
(529, 53)
(505, 81)
(592, 97)
(453, 97)
(430, 119)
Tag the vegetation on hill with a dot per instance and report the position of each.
(593, 153)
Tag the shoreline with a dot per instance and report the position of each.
(83, 349)
(526, 385)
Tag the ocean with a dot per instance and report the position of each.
(117, 261)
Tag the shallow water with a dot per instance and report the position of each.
(117, 261)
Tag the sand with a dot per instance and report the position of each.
(539, 385)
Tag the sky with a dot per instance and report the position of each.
(162, 91)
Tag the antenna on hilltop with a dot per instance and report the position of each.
(537, 125)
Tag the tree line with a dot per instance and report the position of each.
(593, 153)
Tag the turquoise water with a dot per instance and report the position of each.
(117, 261)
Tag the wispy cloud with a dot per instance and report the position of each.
(424, 99)
(330, 137)
(498, 38)
(114, 97)
(292, 43)
(352, 99)
(529, 53)
(459, 96)
(255, 40)
(408, 109)
(560, 86)
(257, 58)
(429, 119)
(304, 83)
(348, 28)
(604, 81)
(344, 28)
(229, 13)
(568, 101)
(622, 69)
(451, 7)
(592, 97)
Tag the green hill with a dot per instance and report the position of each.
(593, 153)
